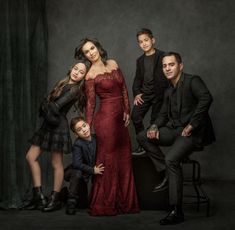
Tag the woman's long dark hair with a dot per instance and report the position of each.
(80, 55)
(80, 102)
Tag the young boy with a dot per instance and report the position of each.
(83, 161)
(149, 82)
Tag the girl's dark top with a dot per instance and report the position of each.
(57, 138)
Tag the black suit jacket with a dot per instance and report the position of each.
(83, 158)
(193, 103)
(160, 82)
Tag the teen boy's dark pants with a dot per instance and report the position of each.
(139, 111)
(76, 181)
(169, 161)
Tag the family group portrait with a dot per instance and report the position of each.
(117, 114)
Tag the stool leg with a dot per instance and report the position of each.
(201, 196)
(207, 200)
(195, 184)
(208, 208)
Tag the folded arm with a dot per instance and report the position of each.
(66, 98)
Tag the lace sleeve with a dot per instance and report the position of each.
(126, 103)
(90, 105)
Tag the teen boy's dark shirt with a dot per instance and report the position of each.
(83, 155)
(148, 84)
(160, 81)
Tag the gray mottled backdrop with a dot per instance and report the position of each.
(202, 31)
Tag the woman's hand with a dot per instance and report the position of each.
(126, 119)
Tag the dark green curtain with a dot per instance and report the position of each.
(23, 73)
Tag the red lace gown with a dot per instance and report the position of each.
(113, 192)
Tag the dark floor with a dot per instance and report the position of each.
(222, 216)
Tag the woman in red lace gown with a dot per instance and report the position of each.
(114, 191)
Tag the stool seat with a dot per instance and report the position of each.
(195, 181)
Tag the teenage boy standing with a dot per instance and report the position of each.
(149, 82)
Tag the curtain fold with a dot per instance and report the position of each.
(23, 73)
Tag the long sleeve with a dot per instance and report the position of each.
(126, 103)
(201, 92)
(78, 161)
(49, 112)
(91, 100)
(138, 80)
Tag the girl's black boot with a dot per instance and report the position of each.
(38, 201)
(54, 202)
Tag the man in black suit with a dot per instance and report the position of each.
(83, 161)
(149, 82)
(184, 124)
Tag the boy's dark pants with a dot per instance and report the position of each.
(77, 185)
(139, 111)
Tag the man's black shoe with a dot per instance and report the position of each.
(162, 186)
(173, 217)
(138, 151)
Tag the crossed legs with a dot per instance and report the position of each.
(170, 161)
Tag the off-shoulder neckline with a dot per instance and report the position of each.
(100, 74)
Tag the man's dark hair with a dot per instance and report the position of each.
(144, 31)
(176, 55)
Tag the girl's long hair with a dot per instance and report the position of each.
(80, 98)
(80, 55)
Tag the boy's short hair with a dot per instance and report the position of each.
(144, 31)
(74, 121)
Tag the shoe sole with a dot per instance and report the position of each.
(160, 189)
(138, 154)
